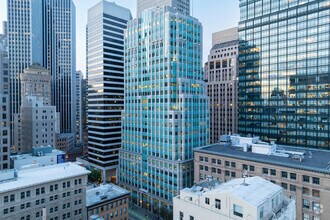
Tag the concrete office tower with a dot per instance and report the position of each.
(105, 62)
(38, 120)
(52, 192)
(222, 83)
(166, 106)
(4, 107)
(284, 71)
(79, 107)
(249, 198)
(183, 6)
(44, 32)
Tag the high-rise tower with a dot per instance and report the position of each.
(43, 32)
(284, 71)
(105, 63)
(183, 6)
(166, 106)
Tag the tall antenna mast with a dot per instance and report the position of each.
(192, 7)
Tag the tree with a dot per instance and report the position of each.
(95, 176)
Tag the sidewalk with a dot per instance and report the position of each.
(138, 213)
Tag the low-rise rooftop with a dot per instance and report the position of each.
(315, 160)
(104, 193)
(253, 190)
(41, 175)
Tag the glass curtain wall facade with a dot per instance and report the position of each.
(284, 80)
(166, 111)
(105, 62)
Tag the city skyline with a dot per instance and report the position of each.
(216, 20)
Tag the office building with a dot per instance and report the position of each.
(105, 63)
(248, 198)
(284, 71)
(108, 201)
(50, 192)
(79, 107)
(38, 122)
(303, 173)
(43, 32)
(40, 156)
(222, 83)
(183, 6)
(166, 106)
(4, 107)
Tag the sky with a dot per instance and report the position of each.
(215, 15)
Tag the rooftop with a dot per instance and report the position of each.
(103, 193)
(315, 160)
(254, 191)
(41, 175)
(38, 152)
(225, 44)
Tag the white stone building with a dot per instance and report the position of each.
(51, 192)
(252, 199)
(40, 156)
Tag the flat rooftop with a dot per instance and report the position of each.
(318, 162)
(103, 193)
(30, 156)
(255, 190)
(41, 175)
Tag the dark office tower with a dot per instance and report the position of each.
(284, 80)
(105, 62)
(43, 32)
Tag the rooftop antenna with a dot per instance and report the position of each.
(192, 7)
(244, 176)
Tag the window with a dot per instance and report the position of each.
(306, 203)
(316, 180)
(305, 191)
(273, 172)
(227, 173)
(207, 201)
(238, 210)
(293, 176)
(284, 174)
(206, 159)
(233, 164)
(264, 170)
(214, 160)
(22, 195)
(201, 167)
(5, 211)
(218, 171)
(218, 162)
(233, 174)
(306, 216)
(251, 168)
(316, 193)
(206, 168)
(28, 193)
(316, 207)
(261, 214)
(6, 199)
(305, 179)
(181, 215)
(191, 217)
(217, 203)
(227, 163)
(214, 170)
(37, 191)
(293, 188)
(284, 185)
(245, 167)
(200, 159)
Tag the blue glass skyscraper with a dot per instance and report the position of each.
(166, 106)
(284, 81)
